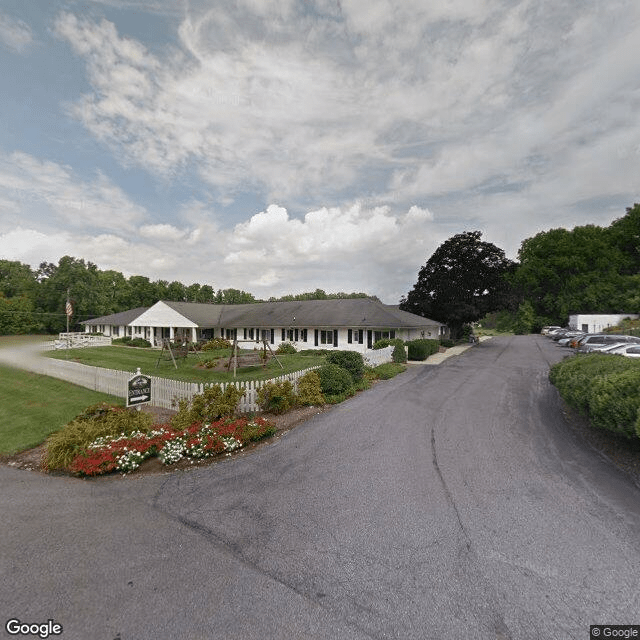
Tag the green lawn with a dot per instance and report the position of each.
(129, 358)
(33, 406)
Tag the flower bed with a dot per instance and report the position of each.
(125, 453)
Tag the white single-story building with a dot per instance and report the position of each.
(596, 323)
(346, 323)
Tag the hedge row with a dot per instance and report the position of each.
(422, 349)
(603, 387)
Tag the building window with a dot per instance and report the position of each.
(382, 335)
(329, 337)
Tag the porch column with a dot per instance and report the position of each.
(194, 335)
(171, 334)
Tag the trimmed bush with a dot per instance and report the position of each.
(614, 401)
(126, 340)
(139, 342)
(386, 342)
(388, 370)
(96, 421)
(445, 342)
(276, 397)
(605, 388)
(399, 354)
(422, 349)
(216, 343)
(350, 360)
(208, 406)
(310, 390)
(285, 348)
(334, 380)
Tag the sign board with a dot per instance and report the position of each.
(138, 390)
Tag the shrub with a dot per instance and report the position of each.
(96, 421)
(399, 353)
(422, 349)
(388, 370)
(216, 343)
(126, 340)
(334, 380)
(276, 397)
(314, 352)
(310, 390)
(445, 342)
(573, 376)
(139, 342)
(614, 401)
(208, 406)
(350, 360)
(285, 348)
(603, 387)
(386, 342)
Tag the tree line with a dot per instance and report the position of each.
(588, 269)
(34, 300)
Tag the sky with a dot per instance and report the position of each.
(280, 146)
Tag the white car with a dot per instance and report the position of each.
(628, 350)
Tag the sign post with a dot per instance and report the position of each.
(138, 390)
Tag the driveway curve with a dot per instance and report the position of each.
(449, 502)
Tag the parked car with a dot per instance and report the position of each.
(569, 337)
(595, 341)
(546, 329)
(627, 350)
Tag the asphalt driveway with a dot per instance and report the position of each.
(449, 502)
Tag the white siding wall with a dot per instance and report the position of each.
(597, 323)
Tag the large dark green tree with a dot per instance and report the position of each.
(587, 269)
(462, 281)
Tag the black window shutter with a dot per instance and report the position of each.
(361, 336)
(296, 338)
(272, 336)
(283, 335)
(335, 337)
(349, 336)
(369, 343)
(316, 337)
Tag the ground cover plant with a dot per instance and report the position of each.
(190, 369)
(33, 406)
(105, 438)
(125, 452)
(605, 388)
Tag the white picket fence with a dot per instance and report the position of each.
(373, 358)
(164, 392)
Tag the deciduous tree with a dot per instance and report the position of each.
(462, 281)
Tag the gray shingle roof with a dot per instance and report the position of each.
(118, 319)
(340, 312)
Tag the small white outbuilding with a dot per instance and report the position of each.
(598, 322)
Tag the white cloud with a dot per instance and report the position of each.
(32, 188)
(297, 103)
(164, 232)
(15, 34)
(271, 253)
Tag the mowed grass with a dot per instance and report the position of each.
(33, 406)
(129, 358)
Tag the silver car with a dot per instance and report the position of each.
(628, 350)
(597, 341)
